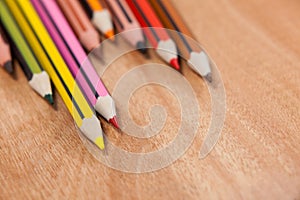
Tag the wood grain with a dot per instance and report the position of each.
(256, 47)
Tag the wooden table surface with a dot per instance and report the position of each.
(256, 47)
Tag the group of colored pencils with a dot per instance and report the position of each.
(50, 40)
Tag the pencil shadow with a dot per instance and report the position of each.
(54, 105)
(14, 75)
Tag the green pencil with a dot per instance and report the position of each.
(39, 80)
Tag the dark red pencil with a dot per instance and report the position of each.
(157, 36)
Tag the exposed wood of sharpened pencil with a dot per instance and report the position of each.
(70, 49)
(85, 31)
(156, 34)
(100, 17)
(170, 17)
(39, 81)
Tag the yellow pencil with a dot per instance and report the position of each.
(42, 44)
(38, 79)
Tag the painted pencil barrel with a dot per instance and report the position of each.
(125, 21)
(198, 60)
(39, 80)
(58, 71)
(86, 75)
(156, 34)
(100, 17)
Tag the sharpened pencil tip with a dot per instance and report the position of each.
(114, 122)
(208, 77)
(100, 143)
(49, 98)
(141, 47)
(110, 35)
(174, 62)
(9, 67)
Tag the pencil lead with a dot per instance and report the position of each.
(100, 143)
(49, 98)
(208, 77)
(114, 122)
(141, 47)
(9, 67)
(175, 64)
(110, 35)
(40, 82)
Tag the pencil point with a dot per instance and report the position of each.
(199, 62)
(105, 106)
(141, 47)
(110, 35)
(9, 67)
(100, 143)
(166, 49)
(175, 64)
(40, 82)
(91, 128)
(114, 122)
(208, 77)
(49, 98)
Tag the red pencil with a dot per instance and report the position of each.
(158, 37)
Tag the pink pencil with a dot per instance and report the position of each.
(125, 21)
(82, 26)
(68, 44)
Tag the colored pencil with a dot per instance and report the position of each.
(47, 53)
(85, 31)
(157, 36)
(5, 56)
(38, 79)
(170, 17)
(73, 54)
(125, 21)
(21, 60)
(100, 17)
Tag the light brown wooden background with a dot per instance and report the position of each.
(256, 45)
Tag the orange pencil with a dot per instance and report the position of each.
(83, 28)
(100, 17)
(5, 56)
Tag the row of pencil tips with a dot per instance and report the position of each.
(50, 40)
